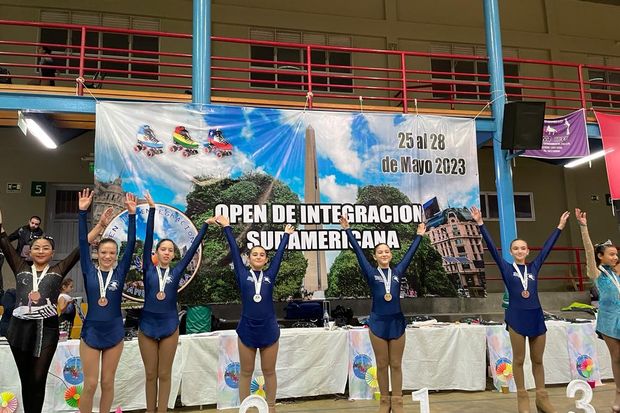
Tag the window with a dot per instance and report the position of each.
(148, 64)
(66, 205)
(610, 81)
(464, 72)
(291, 62)
(524, 206)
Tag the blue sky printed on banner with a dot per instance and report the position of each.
(349, 149)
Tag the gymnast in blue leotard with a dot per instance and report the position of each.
(159, 321)
(258, 326)
(103, 332)
(524, 315)
(387, 322)
(604, 269)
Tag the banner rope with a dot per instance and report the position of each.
(81, 80)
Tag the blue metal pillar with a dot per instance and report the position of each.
(201, 52)
(503, 170)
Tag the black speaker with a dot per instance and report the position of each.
(523, 125)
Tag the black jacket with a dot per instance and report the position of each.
(24, 235)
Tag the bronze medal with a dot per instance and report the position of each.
(102, 301)
(387, 297)
(34, 296)
(161, 295)
(525, 294)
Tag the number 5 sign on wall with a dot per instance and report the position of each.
(38, 188)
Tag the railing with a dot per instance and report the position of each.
(296, 74)
(574, 265)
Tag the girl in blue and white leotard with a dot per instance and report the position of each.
(103, 331)
(524, 315)
(387, 322)
(258, 326)
(159, 321)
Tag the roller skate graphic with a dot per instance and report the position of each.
(217, 144)
(183, 142)
(147, 142)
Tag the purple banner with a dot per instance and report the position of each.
(564, 137)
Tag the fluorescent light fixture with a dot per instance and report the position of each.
(585, 159)
(38, 132)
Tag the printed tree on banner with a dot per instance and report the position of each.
(215, 281)
(426, 274)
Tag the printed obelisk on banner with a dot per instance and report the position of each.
(316, 272)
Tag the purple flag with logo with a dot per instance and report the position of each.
(564, 137)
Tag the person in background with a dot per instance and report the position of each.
(66, 306)
(24, 235)
(44, 62)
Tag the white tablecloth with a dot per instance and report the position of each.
(128, 389)
(445, 358)
(312, 362)
(556, 358)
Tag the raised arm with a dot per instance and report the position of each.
(546, 250)
(148, 238)
(367, 269)
(404, 263)
(103, 222)
(131, 204)
(12, 258)
(85, 198)
(591, 268)
(184, 262)
(232, 243)
(477, 216)
(274, 267)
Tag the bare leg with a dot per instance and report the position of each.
(517, 342)
(149, 350)
(90, 365)
(382, 357)
(268, 357)
(247, 359)
(167, 350)
(613, 344)
(109, 363)
(397, 348)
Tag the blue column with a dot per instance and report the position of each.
(503, 170)
(201, 52)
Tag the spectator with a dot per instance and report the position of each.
(45, 71)
(25, 234)
(66, 306)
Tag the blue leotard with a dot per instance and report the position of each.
(386, 318)
(608, 317)
(258, 325)
(523, 315)
(159, 318)
(103, 326)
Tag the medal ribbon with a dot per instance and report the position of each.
(258, 282)
(104, 286)
(522, 277)
(36, 279)
(162, 279)
(387, 281)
